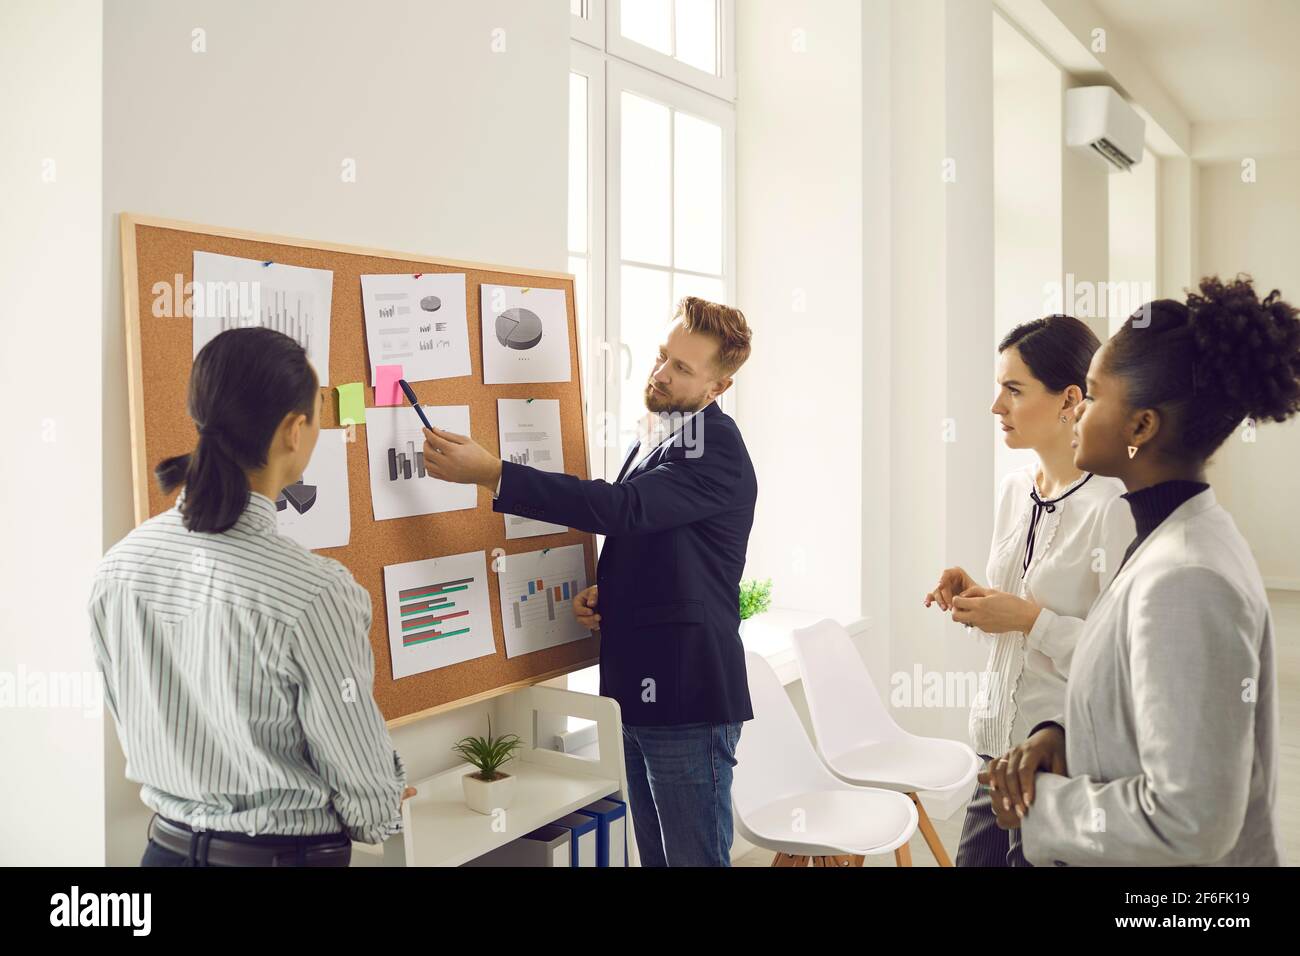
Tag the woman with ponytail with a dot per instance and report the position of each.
(1167, 750)
(228, 650)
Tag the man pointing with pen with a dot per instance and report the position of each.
(677, 521)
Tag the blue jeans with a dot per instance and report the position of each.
(679, 783)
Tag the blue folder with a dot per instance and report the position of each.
(583, 838)
(611, 831)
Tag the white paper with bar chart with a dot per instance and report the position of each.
(529, 430)
(399, 485)
(232, 293)
(537, 592)
(438, 612)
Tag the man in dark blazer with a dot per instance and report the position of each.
(677, 521)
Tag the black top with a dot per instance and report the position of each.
(1155, 503)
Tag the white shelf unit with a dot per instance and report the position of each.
(440, 830)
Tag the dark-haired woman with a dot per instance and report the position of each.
(1057, 536)
(237, 665)
(1166, 749)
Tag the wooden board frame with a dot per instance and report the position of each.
(156, 249)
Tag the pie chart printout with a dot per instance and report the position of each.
(316, 509)
(519, 329)
(525, 334)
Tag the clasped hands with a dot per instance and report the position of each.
(989, 609)
(1010, 778)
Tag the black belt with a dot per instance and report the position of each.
(214, 848)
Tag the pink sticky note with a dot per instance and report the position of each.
(387, 391)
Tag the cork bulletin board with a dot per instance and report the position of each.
(159, 358)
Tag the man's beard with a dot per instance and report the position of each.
(662, 404)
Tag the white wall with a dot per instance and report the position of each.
(867, 413)
(1027, 144)
(1179, 232)
(460, 151)
(1251, 227)
(50, 255)
(799, 189)
(1134, 258)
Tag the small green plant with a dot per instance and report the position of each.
(755, 597)
(488, 753)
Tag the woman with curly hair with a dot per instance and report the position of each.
(1166, 753)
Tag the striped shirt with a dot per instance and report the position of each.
(238, 670)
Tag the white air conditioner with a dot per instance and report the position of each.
(1098, 121)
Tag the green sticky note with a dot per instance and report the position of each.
(352, 404)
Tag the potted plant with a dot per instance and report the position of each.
(488, 789)
(755, 598)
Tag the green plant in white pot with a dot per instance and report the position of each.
(755, 598)
(488, 789)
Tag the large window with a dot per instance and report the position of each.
(651, 197)
(651, 189)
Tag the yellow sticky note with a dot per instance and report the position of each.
(352, 404)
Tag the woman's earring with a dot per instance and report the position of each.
(1132, 450)
(1064, 419)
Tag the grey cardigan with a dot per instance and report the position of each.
(1170, 711)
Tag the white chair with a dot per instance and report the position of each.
(859, 739)
(785, 800)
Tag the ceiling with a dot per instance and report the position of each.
(1219, 60)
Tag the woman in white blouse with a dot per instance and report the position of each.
(1166, 750)
(1057, 538)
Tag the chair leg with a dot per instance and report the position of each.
(846, 860)
(903, 856)
(839, 861)
(928, 831)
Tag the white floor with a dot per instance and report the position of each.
(1286, 624)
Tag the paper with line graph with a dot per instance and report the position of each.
(537, 591)
(438, 612)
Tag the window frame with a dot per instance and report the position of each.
(629, 77)
(590, 29)
(723, 85)
(597, 49)
(596, 377)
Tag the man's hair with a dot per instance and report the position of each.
(725, 324)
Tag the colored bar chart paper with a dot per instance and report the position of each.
(537, 589)
(438, 612)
